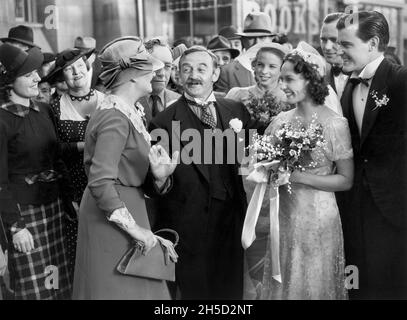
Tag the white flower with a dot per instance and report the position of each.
(379, 102)
(236, 125)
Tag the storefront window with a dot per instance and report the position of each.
(207, 17)
(26, 10)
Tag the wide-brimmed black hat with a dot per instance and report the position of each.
(65, 59)
(22, 34)
(229, 33)
(220, 43)
(17, 62)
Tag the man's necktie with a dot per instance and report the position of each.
(155, 107)
(206, 114)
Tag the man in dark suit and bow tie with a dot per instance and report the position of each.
(328, 38)
(207, 202)
(375, 211)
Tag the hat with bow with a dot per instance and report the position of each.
(125, 56)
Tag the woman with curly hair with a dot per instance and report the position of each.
(311, 242)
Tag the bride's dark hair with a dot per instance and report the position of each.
(317, 87)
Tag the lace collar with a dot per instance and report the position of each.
(133, 113)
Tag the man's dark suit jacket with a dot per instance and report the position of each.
(185, 207)
(234, 75)
(380, 152)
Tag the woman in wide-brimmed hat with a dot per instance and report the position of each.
(73, 110)
(34, 189)
(121, 168)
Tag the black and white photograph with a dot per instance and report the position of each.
(220, 151)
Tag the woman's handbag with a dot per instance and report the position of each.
(158, 263)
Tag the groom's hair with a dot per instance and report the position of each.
(332, 17)
(371, 24)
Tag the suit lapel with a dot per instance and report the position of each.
(185, 116)
(371, 112)
(347, 108)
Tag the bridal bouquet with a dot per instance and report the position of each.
(288, 149)
(266, 107)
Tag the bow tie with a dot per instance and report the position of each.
(356, 81)
(336, 70)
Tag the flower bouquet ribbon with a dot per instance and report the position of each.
(260, 175)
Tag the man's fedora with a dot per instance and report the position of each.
(257, 24)
(22, 34)
(220, 43)
(229, 33)
(85, 43)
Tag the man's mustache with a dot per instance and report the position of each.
(194, 81)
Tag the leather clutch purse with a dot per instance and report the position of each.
(158, 263)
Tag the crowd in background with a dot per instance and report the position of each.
(63, 147)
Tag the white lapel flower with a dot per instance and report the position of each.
(380, 102)
(236, 125)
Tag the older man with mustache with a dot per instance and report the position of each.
(207, 202)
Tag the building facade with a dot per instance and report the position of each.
(57, 23)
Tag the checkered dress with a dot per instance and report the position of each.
(28, 271)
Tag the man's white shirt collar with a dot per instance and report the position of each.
(211, 98)
(370, 69)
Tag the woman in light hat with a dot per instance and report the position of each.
(73, 110)
(121, 167)
(34, 189)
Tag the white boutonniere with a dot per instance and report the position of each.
(236, 125)
(380, 102)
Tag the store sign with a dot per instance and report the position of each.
(300, 17)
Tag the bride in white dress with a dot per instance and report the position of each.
(311, 242)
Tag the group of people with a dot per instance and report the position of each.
(85, 171)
